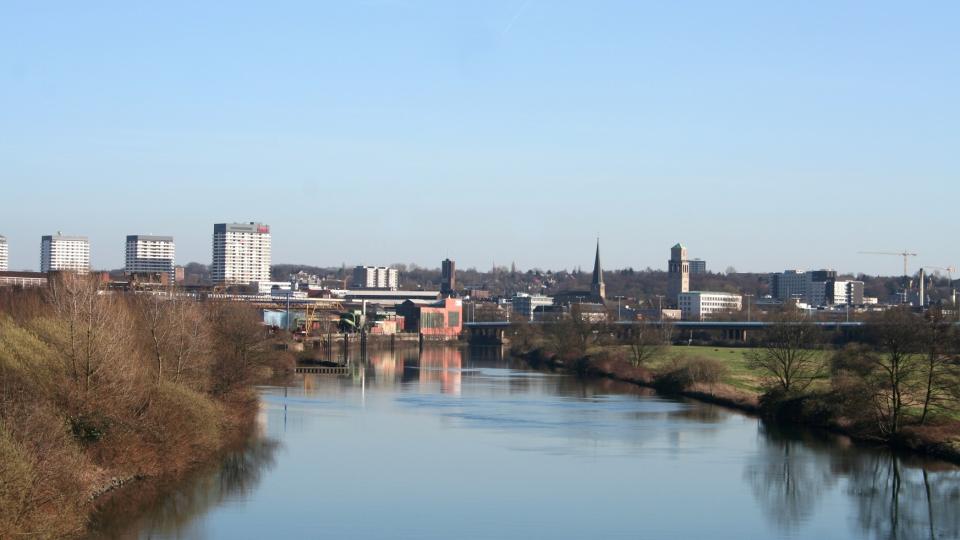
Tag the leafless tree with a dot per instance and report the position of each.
(897, 335)
(646, 341)
(92, 330)
(789, 356)
(940, 376)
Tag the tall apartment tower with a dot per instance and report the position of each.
(4, 256)
(149, 254)
(241, 253)
(60, 253)
(597, 287)
(448, 270)
(678, 273)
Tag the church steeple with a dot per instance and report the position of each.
(597, 287)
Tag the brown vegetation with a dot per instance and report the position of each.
(95, 388)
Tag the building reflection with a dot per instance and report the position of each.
(443, 365)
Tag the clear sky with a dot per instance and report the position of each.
(763, 135)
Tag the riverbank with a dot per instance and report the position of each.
(941, 440)
(102, 393)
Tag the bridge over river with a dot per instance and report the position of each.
(493, 331)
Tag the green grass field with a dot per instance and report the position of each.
(739, 376)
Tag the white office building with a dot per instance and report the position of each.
(376, 277)
(60, 253)
(149, 254)
(701, 305)
(4, 256)
(525, 304)
(241, 253)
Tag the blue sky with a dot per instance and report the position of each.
(764, 135)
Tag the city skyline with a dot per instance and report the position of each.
(765, 138)
(913, 265)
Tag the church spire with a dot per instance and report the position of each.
(597, 287)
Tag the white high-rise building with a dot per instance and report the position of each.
(64, 253)
(4, 257)
(241, 253)
(376, 277)
(149, 254)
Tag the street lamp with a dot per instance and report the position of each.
(660, 307)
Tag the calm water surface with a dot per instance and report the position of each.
(466, 444)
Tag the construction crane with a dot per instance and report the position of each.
(905, 254)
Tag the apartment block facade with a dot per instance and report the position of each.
(376, 277)
(4, 255)
(241, 253)
(149, 254)
(61, 253)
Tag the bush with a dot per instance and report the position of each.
(685, 373)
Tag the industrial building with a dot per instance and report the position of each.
(61, 253)
(439, 319)
(22, 279)
(698, 266)
(150, 257)
(241, 253)
(701, 305)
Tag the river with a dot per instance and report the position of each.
(467, 444)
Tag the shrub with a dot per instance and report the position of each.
(685, 373)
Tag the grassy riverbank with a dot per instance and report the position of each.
(101, 390)
(898, 389)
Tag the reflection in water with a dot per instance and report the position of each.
(788, 476)
(894, 496)
(443, 364)
(466, 443)
(171, 511)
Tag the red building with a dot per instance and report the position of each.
(444, 318)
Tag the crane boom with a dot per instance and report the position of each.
(905, 254)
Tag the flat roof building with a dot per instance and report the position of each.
(525, 305)
(376, 277)
(241, 253)
(702, 305)
(61, 253)
(150, 255)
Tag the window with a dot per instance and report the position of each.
(453, 319)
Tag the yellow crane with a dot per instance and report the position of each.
(905, 254)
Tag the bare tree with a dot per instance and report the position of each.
(940, 375)
(897, 336)
(789, 356)
(92, 330)
(646, 341)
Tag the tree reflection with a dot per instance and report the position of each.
(895, 498)
(171, 509)
(788, 477)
